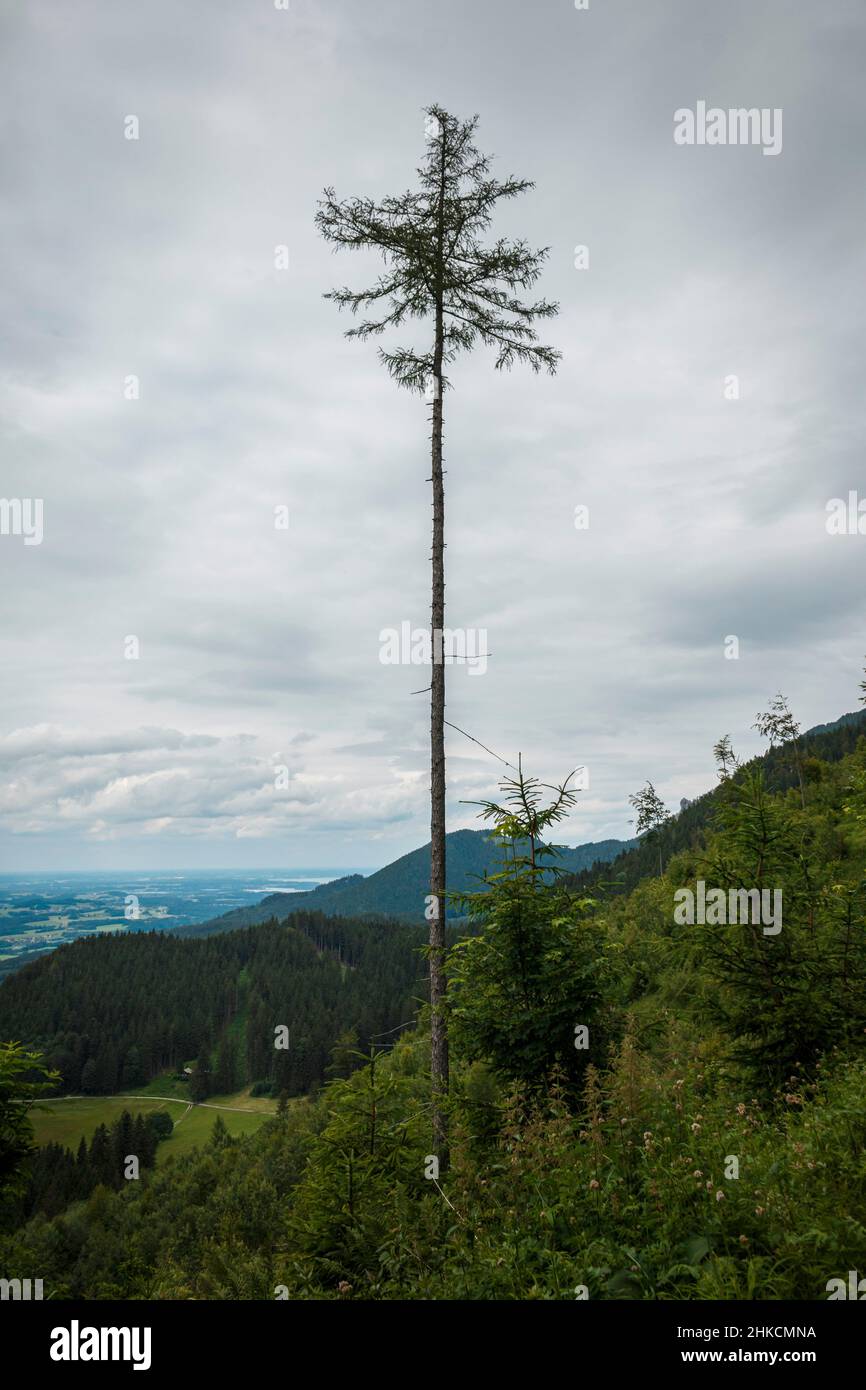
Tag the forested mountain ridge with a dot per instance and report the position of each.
(602, 1172)
(688, 827)
(399, 889)
(114, 1011)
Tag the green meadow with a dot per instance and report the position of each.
(62, 1121)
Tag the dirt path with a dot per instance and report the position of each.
(174, 1100)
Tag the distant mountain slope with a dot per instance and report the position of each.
(830, 742)
(400, 888)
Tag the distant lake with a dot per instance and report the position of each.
(39, 911)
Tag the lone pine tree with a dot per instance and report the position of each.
(438, 271)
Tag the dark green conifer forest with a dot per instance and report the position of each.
(111, 1013)
(641, 1108)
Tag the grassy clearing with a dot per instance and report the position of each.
(196, 1126)
(242, 1100)
(68, 1121)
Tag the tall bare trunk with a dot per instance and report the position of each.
(439, 1036)
(438, 1031)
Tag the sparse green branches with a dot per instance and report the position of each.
(726, 759)
(779, 726)
(436, 264)
(778, 723)
(520, 818)
(652, 815)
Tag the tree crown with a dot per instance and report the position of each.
(436, 264)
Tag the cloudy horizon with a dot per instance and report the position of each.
(167, 387)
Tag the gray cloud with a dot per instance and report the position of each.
(155, 258)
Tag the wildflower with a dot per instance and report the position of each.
(696, 1129)
(744, 1240)
(741, 1109)
(720, 1196)
(759, 1211)
(697, 1173)
(594, 1184)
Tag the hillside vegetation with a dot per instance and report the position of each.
(642, 1107)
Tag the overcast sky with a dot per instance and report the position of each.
(260, 647)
